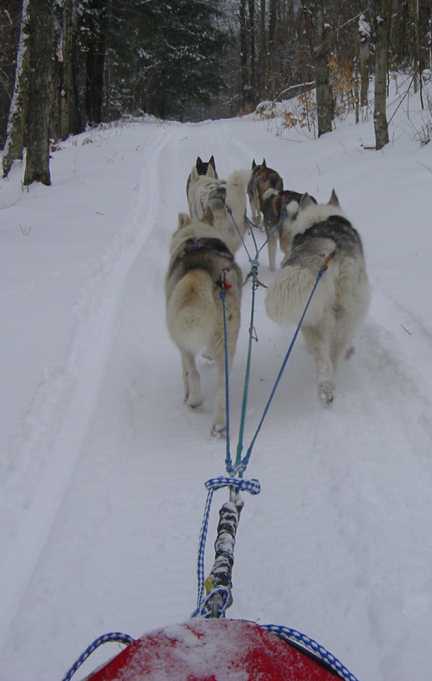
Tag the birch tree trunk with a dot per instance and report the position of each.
(382, 23)
(364, 48)
(41, 54)
(13, 149)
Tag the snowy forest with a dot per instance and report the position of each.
(215, 258)
(98, 60)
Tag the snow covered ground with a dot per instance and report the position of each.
(102, 466)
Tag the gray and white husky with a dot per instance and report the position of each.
(201, 265)
(342, 297)
(220, 203)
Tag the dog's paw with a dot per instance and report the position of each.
(194, 401)
(350, 351)
(218, 430)
(207, 359)
(326, 392)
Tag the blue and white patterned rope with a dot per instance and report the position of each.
(240, 485)
(112, 637)
(288, 634)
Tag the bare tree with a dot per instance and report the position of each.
(270, 78)
(320, 33)
(68, 55)
(262, 61)
(94, 22)
(252, 36)
(383, 10)
(41, 48)
(244, 52)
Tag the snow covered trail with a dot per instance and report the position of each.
(338, 543)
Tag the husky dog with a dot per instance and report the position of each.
(322, 233)
(221, 204)
(201, 265)
(279, 209)
(263, 184)
(203, 168)
(262, 178)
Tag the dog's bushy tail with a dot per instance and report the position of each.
(287, 296)
(236, 187)
(191, 312)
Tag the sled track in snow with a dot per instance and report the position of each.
(57, 419)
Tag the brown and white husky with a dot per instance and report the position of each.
(263, 183)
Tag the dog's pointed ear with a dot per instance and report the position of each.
(306, 201)
(333, 200)
(199, 165)
(183, 220)
(254, 165)
(211, 167)
(264, 163)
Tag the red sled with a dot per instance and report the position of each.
(214, 650)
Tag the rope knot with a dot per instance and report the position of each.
(253, 486)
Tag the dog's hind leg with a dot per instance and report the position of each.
(191, 378)
(349, 352)
(272, 246)
(219, 421)
(254, 204)
(318, 342)
(218, 352)
(342, 346)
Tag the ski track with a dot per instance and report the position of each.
(58, 417)
(121, 529)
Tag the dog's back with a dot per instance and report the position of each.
(319, 231)
(196, 264)
(205, 193)
(262, 179)
(221, 204)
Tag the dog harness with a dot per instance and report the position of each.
(208, 244)
(336, 228)
(199, 253)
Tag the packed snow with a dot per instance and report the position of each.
(103, 466)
